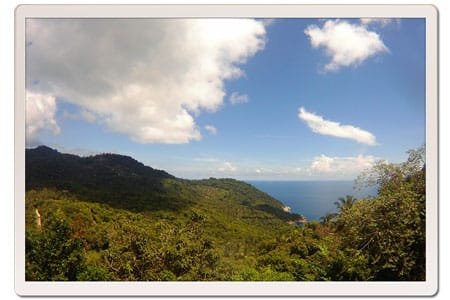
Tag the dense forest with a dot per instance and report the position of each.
(109, 217)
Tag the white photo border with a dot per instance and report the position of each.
(429, 287)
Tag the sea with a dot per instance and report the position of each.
(312, 199)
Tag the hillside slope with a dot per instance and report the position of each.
(109, 201)
(108, 217)
(122, 182)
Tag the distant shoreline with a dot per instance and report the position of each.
(311, 198)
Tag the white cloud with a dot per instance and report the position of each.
(145, 78)
(341, 165)
(345, 43)
(319, 125)
(268, 171)
(318, 168)
(70, 115)
(382, 22)
(236, 98)
(206, 159)
(80, 115)
(88, 116)
(227, 167)
(322, 164)
(40, 115)
(211, 129)
(76, 151)
(268, 22)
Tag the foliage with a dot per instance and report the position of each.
(389, 230)
(345, 203)
(53, 254)
(109, 217)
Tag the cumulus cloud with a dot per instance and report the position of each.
(40, 116)
(236, 98)
(88, 116)
(382, 22)
(322, 164)
(341, 165)
(145, 78)
(268, 22)
(321, 167)
(228, 167)
(270, 171)
(319, 125)
(211, 129)
(80, 115)
(346, 44)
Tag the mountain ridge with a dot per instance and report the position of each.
(111, 178)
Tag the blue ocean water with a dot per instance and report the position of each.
(313, 199)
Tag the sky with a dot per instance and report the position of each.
(255, 99)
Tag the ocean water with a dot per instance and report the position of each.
(313, 199)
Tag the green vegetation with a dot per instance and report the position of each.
(108, 217)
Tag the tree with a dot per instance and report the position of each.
(53, 254)
(180, 252)
(389, 229)
(345, 203)
(328, 218)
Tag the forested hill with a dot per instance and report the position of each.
(46, 167)
(109, 217)
(123, 182)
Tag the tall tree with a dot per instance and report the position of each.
(345, 203)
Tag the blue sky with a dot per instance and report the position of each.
(361, 84)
